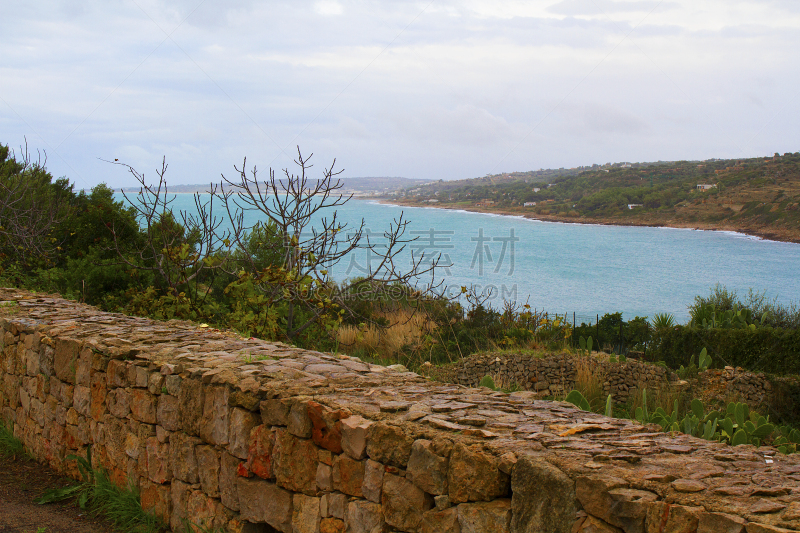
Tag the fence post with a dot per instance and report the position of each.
(597, 331)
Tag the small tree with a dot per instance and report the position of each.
(305, 232)
(180, 249)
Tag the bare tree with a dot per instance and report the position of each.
(177, 247)
(303, 219)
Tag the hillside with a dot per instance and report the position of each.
(757, 196)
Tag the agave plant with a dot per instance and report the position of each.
(662, 321)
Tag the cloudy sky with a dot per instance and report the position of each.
(434, 89)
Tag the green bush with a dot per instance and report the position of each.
(771, 350)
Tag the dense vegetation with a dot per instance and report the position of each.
(270, 280)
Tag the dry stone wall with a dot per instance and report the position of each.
(253, 436)
(555, 375)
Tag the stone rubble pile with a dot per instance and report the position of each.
(254, 436)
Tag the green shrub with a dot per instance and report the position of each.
(770, 350)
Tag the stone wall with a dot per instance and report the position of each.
(556, 374)
(254, 436)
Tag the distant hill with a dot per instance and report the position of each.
(758, 196)
(365, 185)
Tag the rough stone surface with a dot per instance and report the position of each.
(389, 444)
(474, 476)
(348, 475)
(295, 463)
(426, 469)
(364, 517)
(486, 516)
(542, 497)
(436, 521)
(403, 503)
(262, 501)
(354, 436)
(235, 433)
(305, 514)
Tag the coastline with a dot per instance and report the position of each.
(775, 234)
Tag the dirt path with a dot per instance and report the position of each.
(21, 482)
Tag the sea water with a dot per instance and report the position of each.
(572, 268)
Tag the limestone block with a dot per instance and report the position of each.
(299, 421)
(542, 497)
(158, 463)
(81, 400)
(201, 510)
(348, 475)
(326, 429)
(168, 412)
(492, 516)
(403, 503)
(118, 402)
(140, 377)
(155, 383)
(373, 480)
(65, 360)
(440, 521)
(305, 514)
(182, 456)
(474, 476)
(216, 416)
(388, 444)
(116, 374)
(173, 385)
(354, 436)
(295, 463)
(720, 523)
(331, 525)
(337, 505)
(99, 393)
(144, 406)
(132, 446)
(262, 501)
(156, 498)
(191, 400)
(275, 412)
(324, 477)
(242, 423)
(228, 490)
(179, 495)
(31, 362)
(364, 517)
(442, 502)
(259, 452)
(208, 469)
(662, 516)
(620, 507)
(426, 469)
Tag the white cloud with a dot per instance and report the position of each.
(400, 88)
(328, 8)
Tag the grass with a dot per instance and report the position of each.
(406, 330)
(10, 446)
(99, 495)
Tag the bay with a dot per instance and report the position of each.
(577, 268)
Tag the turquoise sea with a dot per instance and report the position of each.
(585, 269)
